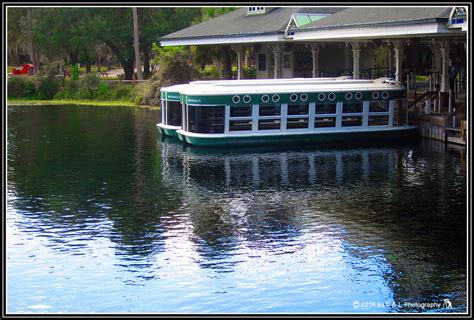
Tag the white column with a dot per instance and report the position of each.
(398, 50)
(356, 59)
(239, 51)
(315, 55)
(347, 57)
(239, 65)
(444, 49)
(389, 59)
(277, 51)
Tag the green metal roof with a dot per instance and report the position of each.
(239, 23)
(306, 18)
(359, 16)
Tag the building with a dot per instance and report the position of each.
(363, 42)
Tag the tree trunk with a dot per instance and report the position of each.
(137, 44)
(88, 66)
(98, 62)
(128, 67)
(33, 56)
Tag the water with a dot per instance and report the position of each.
(104, 216)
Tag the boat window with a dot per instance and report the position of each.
(378, 106)
(262, 62)
(206, 119)
(297, 123)
(241, 111)
(325, 108)
(173, 116)
(298, 109)
(352, 121)
(378, 120)
(269, 124)
(355, 107)
(270, 110)
(240, 125)
(325, 122)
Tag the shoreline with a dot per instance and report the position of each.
(113, 103)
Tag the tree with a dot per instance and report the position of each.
(136, 44)
(152, 27)
(66, 33)
(34, 57)
(17, 36)
(205, 54)
(114, 27)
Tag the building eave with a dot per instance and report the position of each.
(224, 39)
(383, 31)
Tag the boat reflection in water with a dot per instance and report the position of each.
(371, 224)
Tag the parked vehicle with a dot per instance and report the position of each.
(25, 69)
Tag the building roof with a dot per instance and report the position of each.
(366, 16)
(239, 23)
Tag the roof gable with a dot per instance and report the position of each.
(358, 16)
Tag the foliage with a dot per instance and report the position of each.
(68, 91)
(174, 66)
(210, 72)
(44, 85)
(74, 70)
(147, 93)
(75, 35)
(250, 72)
(90, 87)
(21, 86)
(122, 92)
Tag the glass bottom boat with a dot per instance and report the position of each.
(285, 111)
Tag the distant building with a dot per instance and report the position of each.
(293, 42)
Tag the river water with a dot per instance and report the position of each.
(105, 216)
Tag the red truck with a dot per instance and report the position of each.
(26, 69)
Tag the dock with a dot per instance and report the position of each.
(436, 117)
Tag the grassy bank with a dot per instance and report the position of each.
(31, 102)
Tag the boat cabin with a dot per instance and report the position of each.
(281, 110)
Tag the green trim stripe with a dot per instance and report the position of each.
(348, 137)
(294, 98)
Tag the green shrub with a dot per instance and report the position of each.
(122, 92)
(88, 87)
(68, 90)
(90, 81)
(85, 93)
(147, 93)
(210, 73)
(250, 72)
(21, 86)
(46, 87)
(74, 70)
(103, 92)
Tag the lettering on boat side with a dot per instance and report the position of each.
(173, 97)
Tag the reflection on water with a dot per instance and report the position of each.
(106, 216)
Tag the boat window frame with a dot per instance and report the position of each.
(163, 111)
(229, 118)
(206, 105)
(167, 112)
